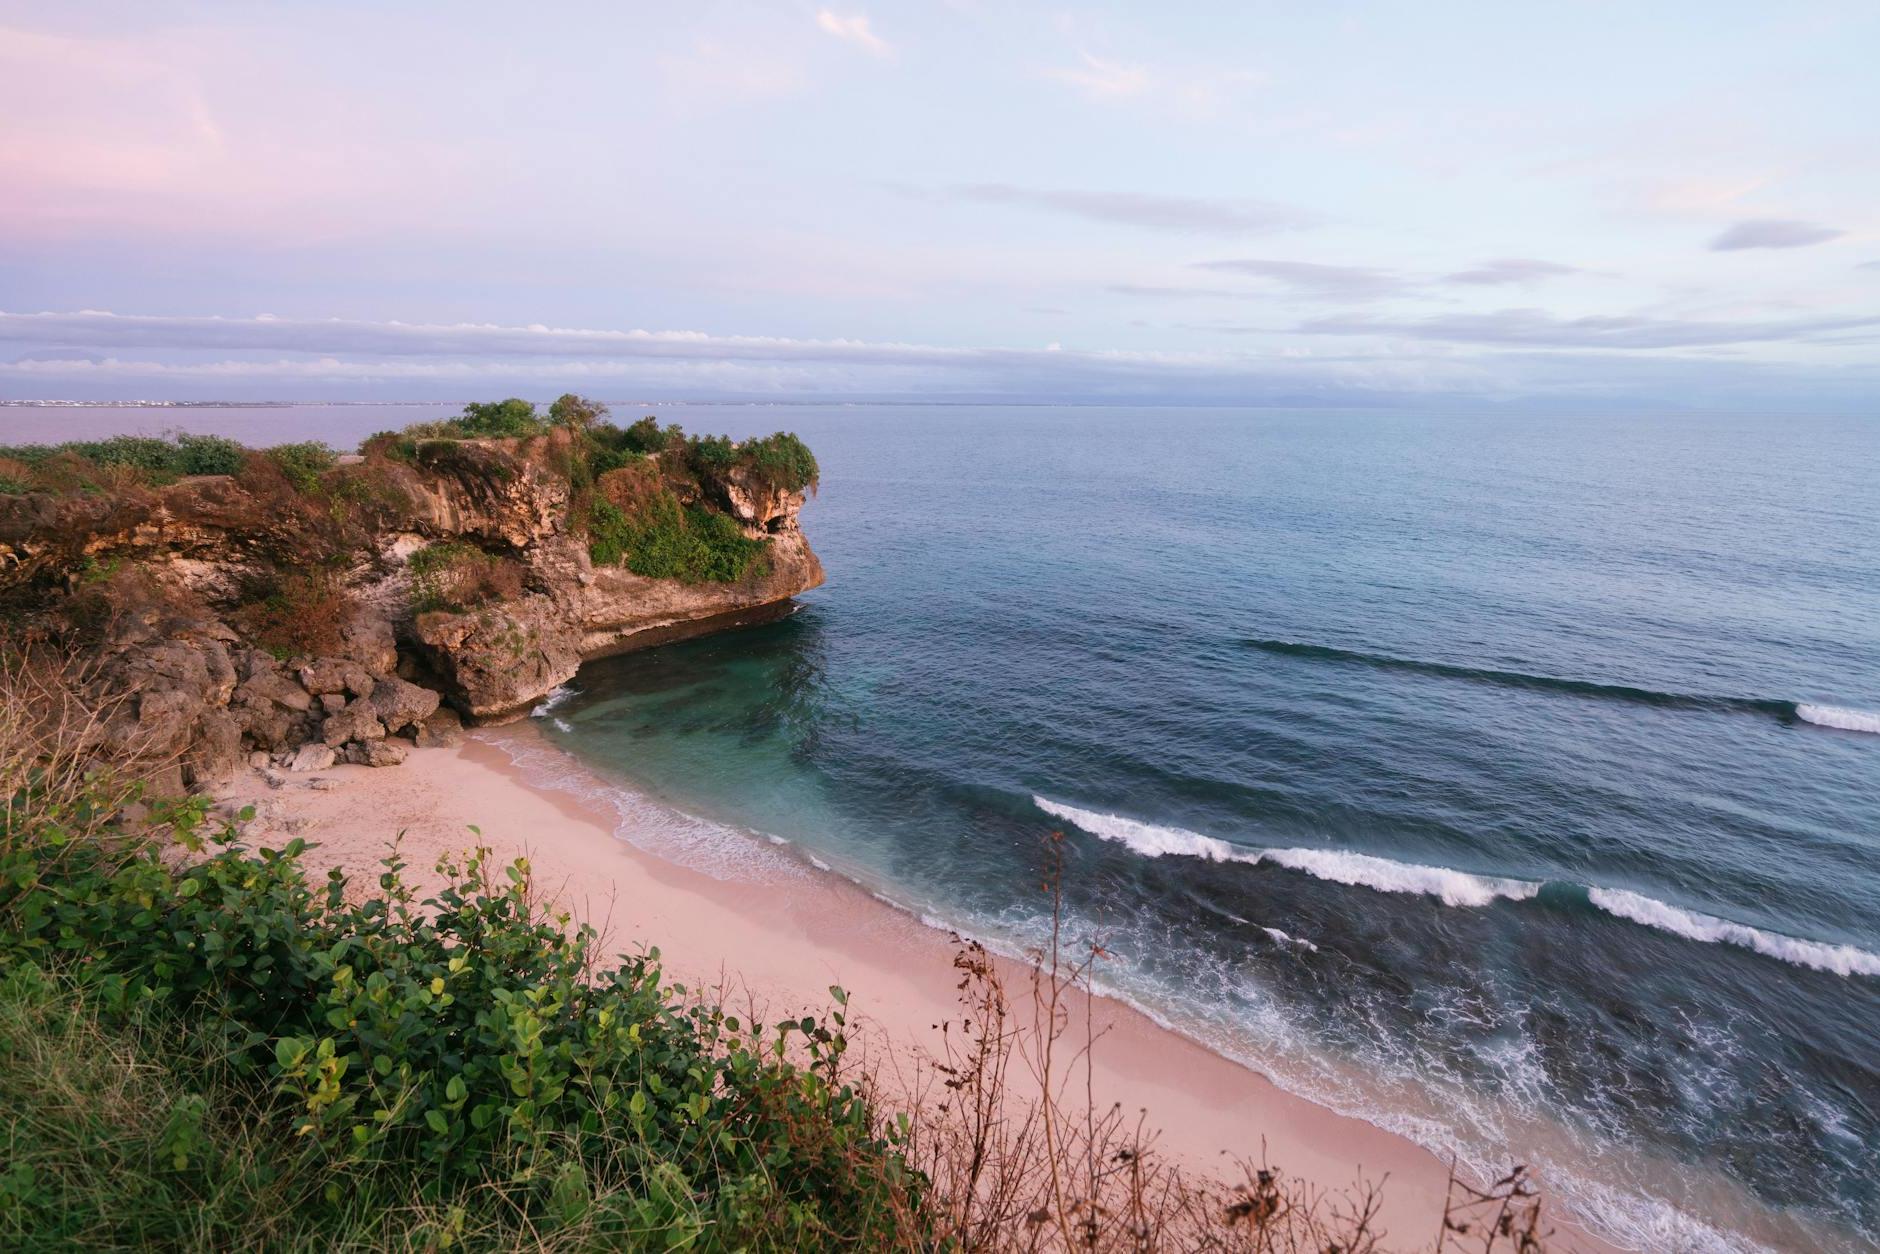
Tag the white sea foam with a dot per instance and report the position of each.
(1284, 939)
(556, 696)
(1835, 716)
(1456, 888)
(720, 851)
(1638, 908)
(1146, 838)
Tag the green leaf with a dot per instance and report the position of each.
(437, 1121)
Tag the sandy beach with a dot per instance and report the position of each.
(785, 938)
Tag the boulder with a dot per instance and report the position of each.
(358, 721)
(387, 752)
(367, 640)
(498, 660)
(278, 688)
(329, 676)
(400, 703)
(441, 731)
(215, 749)
(312, 757)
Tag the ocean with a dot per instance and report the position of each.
(1510, 779)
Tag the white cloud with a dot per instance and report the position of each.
(1199, 215)
(854, 29)
(1538, 328)
(235, 357)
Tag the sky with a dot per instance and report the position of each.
(1240, 202)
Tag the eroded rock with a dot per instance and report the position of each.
(312, 757)
(358, 721)
(399, 703)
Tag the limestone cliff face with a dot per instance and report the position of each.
(188, 682)
(498, 660)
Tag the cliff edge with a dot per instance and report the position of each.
(297, 608)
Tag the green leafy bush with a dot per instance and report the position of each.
(576, 412)
(303, 463)
(505, 419)
(208, 455)
(149, 460)
(461, 1061)
(662, 539)
(782, 461)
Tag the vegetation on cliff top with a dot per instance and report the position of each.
(650, 498)
(645, 496)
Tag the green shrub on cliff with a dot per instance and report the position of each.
(782, 460)
(211, 1052)
(143, 459)
(662, 539)
(303, 463)
(484, 420)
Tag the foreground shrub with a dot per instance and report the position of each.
(463, 1053)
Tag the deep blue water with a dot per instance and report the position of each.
(1470, 772)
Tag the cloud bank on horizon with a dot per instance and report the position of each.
(1212, 203)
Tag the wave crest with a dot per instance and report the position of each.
(1363, 870)
(1146, 838)
(1649, 911)
(1788, 711)
(1835, 716)
(1461, 888)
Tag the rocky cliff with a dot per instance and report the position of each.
(347, 613)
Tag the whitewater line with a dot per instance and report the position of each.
(1835, 716)
(1362, 870)
(1709, 929)
(1461, 888)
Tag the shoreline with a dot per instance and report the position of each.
(779, 939)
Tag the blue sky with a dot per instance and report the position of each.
(1674, 203)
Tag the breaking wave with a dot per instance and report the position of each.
(1835, 716)
(1461, 888)
(560, 695)
(1649, 911)
(1384, 875)
(1283, 938)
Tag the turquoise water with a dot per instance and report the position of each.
(1458, 771)
(1511, 780)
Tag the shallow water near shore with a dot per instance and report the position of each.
(1508, 779)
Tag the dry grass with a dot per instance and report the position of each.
(1023, 1155)
(63, 752)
